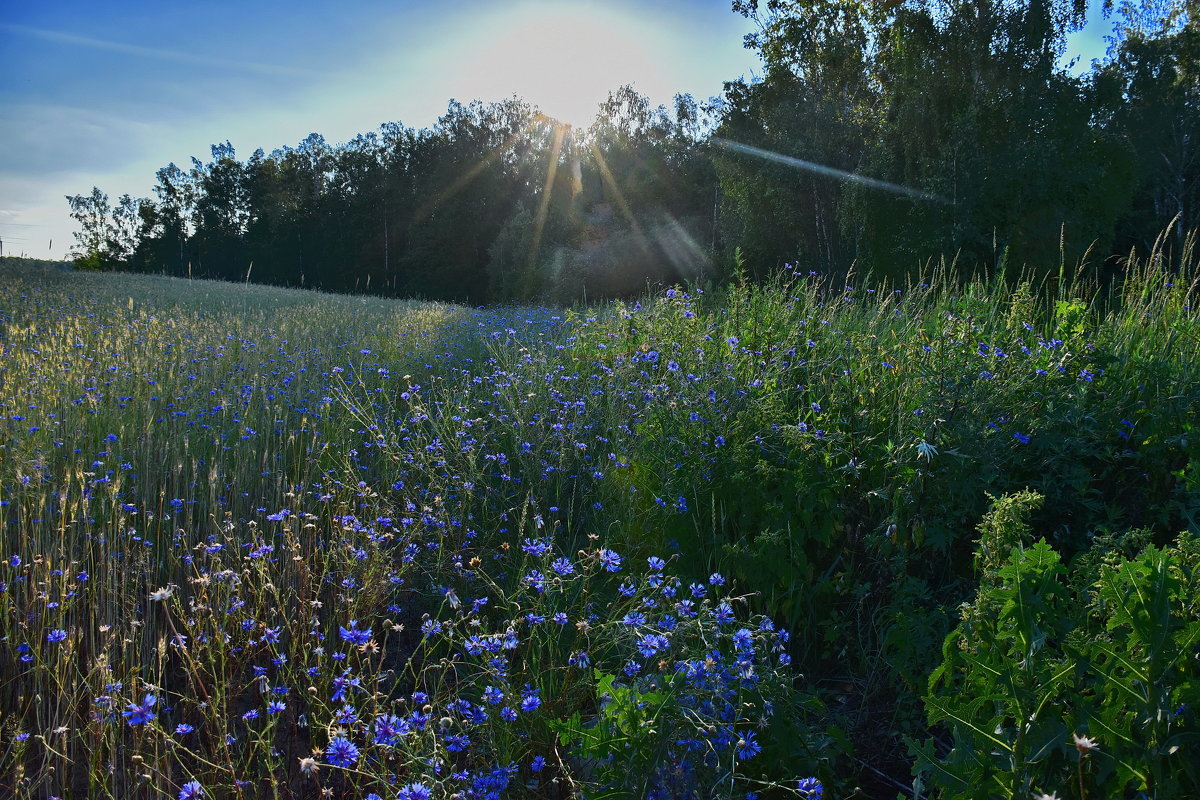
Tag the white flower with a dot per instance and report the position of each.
(165, 593)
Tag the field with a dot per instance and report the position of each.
(779, 540)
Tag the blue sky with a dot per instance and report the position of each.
(104, 94)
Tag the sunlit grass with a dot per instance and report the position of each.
(261, 506)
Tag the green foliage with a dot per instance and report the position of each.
(1079, 690)
(828, 446)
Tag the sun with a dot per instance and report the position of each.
(564, 62)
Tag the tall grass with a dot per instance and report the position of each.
(296, 520)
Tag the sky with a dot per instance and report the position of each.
(105, 94)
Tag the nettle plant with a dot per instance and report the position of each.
(1076, 688)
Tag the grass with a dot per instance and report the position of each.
(276, 542)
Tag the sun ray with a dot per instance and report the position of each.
(821, 169)
(544, 204)
(607, 177)
(462, 180)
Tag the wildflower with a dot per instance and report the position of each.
(609, 560)
(341, 752)
(192, 790)
(162, 594)
(530, 700)
(748, 746)
(810, 789)
(56, 635)
(309, 766)
(140, 714)
(414, 791)
(183, 729)
(1083, 744)
(1023, 438)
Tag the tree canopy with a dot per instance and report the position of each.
(880, 136)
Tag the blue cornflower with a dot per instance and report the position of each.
(716, 579)
(183, 729)
(530, 699)
(563, 566)
(537, 764)
(743, 640)
(810, 789)
(537, 547)
(610, 560)
(508, 715)
(192, 790)
(140, 714)
(457, 742)
(341, 752)
(347, 715)
(343, 684)
(656, 563)
(388, 728)
(56, 635)
(276, 707)
(352, 635)
(723, 614)
(414, 791)
(493, 696)
(1023, 438)
(748, 746)
(536, 580)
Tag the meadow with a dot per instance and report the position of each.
(775, 540)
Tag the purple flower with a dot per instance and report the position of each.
(341, 752)
(353, 635)
(810, 789)
(748, 746)
(56, 635)
(140, 714)
(414, 791)
(610, 561)
(192, 790)
(530, 700)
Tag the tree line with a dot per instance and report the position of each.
(880, 135)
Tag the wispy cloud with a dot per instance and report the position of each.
(63, 37)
